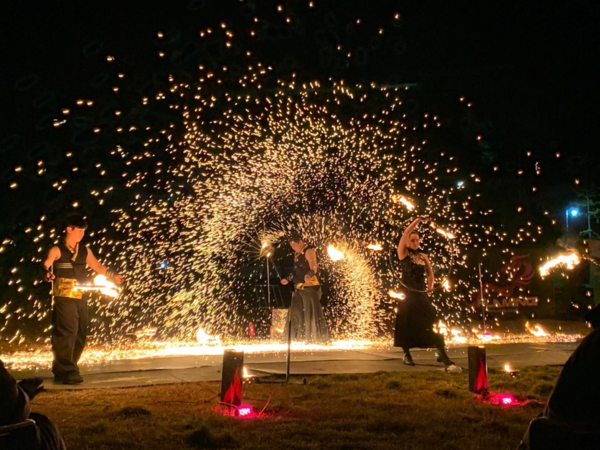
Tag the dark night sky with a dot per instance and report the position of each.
(529, 67)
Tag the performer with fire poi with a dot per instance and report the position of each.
(416, 315)
(306, 314)
(64, 266)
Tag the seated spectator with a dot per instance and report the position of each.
(15, 407)
(575, 400)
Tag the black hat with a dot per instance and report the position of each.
(75, 220)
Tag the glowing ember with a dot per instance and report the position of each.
(206, 339)
(102, 285)
(245, 372)
(396, 295)
(446, 285)
(507, 368)
(397, 198)
(568, 261)
(445, 233)
(334, 253)
(145, 332)
(487, 337)
(440, 328)
(456, 336)
(536, 330)
(375, 247)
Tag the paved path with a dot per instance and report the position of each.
(181, 369)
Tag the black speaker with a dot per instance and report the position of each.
(231, 384)
(478, 382)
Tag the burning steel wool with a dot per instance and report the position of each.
(232, 158)
(147, 347)
(536, 330)
(568, 261)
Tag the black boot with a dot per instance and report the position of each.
(408, 361)
(442, 357)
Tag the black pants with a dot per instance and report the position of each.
(69, 329)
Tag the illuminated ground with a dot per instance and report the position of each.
(175, 369)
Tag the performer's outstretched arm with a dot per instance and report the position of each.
(403, 244)
(100, 269)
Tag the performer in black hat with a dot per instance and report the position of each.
(64, 266)
(307, 319)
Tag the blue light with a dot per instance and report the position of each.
(574, 212)
(460, 184)
(163, 265)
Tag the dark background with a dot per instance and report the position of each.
(527, 67)
(526, 72)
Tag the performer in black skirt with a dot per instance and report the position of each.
(416, 315)
(307, 319)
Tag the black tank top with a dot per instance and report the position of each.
(64, 267)
(301, 266)
(414, 275)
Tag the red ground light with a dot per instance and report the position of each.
(503, 399)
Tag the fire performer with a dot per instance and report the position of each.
(307, 319)
(416, 315)
(64, 266)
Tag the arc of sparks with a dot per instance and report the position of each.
(334, 253)
(568, 261)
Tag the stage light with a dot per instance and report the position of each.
(574, 212)
(245, 411)
(505, 399)
(231, 382)
(478, 382)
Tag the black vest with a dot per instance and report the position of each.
(64, 267)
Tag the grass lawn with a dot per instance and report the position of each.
(386, 410)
